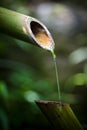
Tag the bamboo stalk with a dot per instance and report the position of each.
(60, 115)
(25, 28)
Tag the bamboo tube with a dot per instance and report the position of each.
(60, 115)
(25, 28)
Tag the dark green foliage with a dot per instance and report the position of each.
(27, 74)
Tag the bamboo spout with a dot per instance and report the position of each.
(25, 28)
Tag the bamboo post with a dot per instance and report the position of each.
(25, 28)
(60, 115)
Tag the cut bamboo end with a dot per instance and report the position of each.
(60, 115)
(52, 103)
(25, 28)
(41, 35)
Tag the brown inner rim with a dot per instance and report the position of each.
(40, 34)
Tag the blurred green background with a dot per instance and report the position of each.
(27, 72)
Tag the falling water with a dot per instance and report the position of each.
(57, 76)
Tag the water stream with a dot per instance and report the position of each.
(57, 75)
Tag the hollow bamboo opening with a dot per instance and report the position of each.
(40, 34)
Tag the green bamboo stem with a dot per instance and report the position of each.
(60, 115)
(25, 28)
